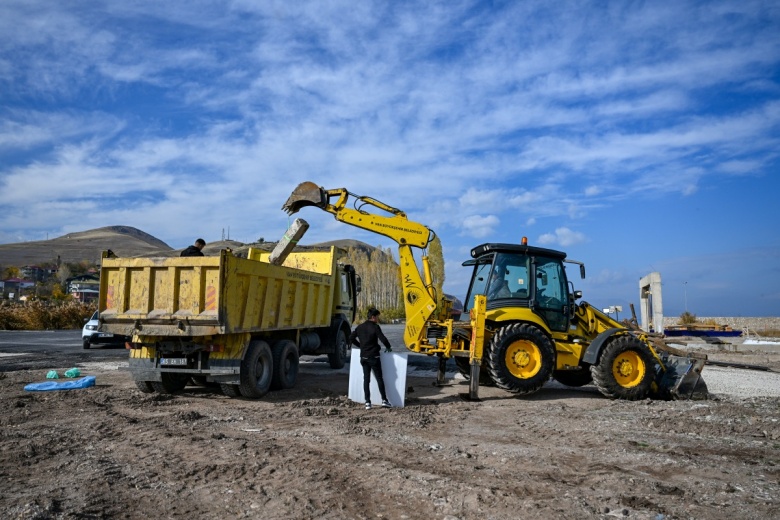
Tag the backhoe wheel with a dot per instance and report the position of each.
(256, 370)
(579, 377)
(230, 390)
(285, 354)
(171, 383)
(145, 386)
(338, 358)
(626, 369)
(521, 358)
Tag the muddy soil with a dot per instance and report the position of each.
(113, 452)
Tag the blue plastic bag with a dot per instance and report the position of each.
(84, 382)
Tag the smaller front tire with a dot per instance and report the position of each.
(625, 370)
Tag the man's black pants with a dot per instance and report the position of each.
(369, 364)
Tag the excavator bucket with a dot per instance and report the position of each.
(682, 378)
(306, 194)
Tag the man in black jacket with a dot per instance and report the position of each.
(195, 249)
(367, 336)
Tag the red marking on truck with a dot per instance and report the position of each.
(211, 298)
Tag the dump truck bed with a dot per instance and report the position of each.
(225, 294)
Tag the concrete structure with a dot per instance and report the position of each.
(651, 302)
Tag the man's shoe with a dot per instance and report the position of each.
(386, 404)
(368, 406)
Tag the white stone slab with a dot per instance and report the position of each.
(393, 372)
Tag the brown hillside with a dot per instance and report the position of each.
(82, 245)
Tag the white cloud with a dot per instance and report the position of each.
(562, 236)
(478, 226)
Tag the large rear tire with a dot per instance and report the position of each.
(171, 383)
(285, 355)
(256, 370)
(338, 358)
(521, 358)
(626, 369)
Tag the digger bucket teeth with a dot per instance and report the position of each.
(306, 194)
(682, 379)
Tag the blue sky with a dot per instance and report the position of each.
(636, 136)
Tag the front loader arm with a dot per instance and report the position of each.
(419, 295)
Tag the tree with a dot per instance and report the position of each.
(436, 262)
(11, 272)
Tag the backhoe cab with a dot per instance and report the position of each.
(525, 325)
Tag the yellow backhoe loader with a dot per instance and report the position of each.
(525, 325)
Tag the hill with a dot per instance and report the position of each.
(83, 245)
(126, 241)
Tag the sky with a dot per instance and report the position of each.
(636, 136)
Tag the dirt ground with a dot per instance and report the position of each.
(113, 452)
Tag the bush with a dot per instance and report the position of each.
(686, 318)
(37, 315)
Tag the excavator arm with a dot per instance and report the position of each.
(419, 295)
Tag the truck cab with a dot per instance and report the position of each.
(517, 280)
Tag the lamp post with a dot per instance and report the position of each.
(685, 292)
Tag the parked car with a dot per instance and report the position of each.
(90, 335)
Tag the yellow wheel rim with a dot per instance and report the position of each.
(628, 369)
(523, 359)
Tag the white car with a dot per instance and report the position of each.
(90, 335)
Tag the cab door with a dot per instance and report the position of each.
(551, 296)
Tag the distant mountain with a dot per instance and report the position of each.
(83, 245)
(126, 241)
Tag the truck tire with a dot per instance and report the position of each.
(230, 390)
(521, 358)
(625, 370)
(144, 386)
(338, 358)
(171, 383)
(285, 355)
(574, 378)
(256, 370)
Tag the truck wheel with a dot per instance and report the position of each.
(256, 370)
(171, 383)
(145, 386)
(230, 390)
(626, 369)
(521, 358)
(85, 344)
(338, 358)
(285, 354)
(573, 377)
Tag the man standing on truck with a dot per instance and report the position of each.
(195, 249)
(367, 336)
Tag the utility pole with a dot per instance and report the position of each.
(685, 292)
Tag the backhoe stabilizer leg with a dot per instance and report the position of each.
(441, 372)
(474, 382)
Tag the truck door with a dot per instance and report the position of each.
(551, 295)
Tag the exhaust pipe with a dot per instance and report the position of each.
(306, 194)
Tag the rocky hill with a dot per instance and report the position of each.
(124, 241)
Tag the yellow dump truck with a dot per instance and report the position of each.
(238, 322)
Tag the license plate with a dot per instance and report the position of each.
(174, 361)
(105, 335)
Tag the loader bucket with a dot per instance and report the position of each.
(682, 378)
(306, 194)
